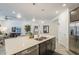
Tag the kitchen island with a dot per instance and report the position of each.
(23, 45)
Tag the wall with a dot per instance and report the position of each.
(63, 28)
(63, 31)
(54, 28)
(22, 23)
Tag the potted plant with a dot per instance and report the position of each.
(28, 31)
(27, 28)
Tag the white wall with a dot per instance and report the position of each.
(22, 23)
(63, 32)
(63, 28)
(54, 28)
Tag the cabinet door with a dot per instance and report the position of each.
(42, 48)
(30, 51)
(49, 45)
(74, 15)
(53, 44)
(77, 14)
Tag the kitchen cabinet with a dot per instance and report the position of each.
(47, 47)
(74, 15)
(31, 46)
(30, 51)
(42, 48)
(26, 45)
(53, 44)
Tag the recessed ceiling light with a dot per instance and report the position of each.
(57, 12)
(33, 20)
(63, 5)
(13, 12)
(42, 22)
(18, 15)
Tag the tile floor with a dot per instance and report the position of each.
(61, 50)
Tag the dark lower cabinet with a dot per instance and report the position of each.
(30, 51)
(42, 48)
(47, 47)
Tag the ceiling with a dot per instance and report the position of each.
(45, 11)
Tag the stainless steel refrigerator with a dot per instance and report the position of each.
(74, 37)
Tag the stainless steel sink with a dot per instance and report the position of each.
(40, 38)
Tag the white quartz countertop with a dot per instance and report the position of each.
(14, 45)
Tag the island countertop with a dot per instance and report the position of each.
(14, 45)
